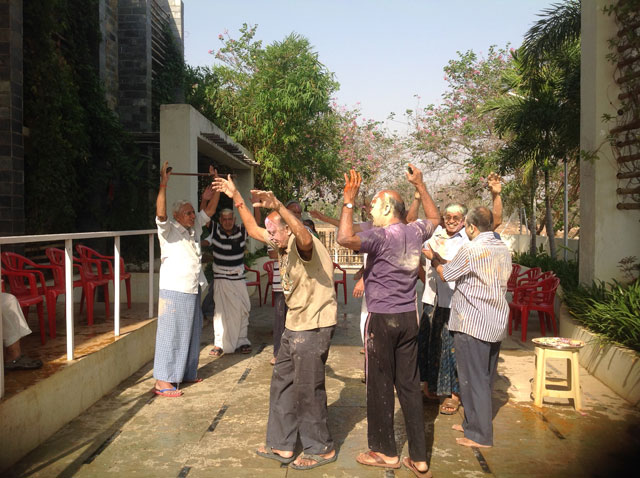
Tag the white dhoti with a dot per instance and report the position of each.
(14, 325)
(231, 318)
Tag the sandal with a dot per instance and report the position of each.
(406, 461)
(168, 392)
(319, 461)
(244, 349)
(216, 352)
(377, 460)
(450, 406)
(23, 363)
(272, 455)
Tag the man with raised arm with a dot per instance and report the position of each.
(390, 276)
(479, 313)
(181, 278)
(298, 400)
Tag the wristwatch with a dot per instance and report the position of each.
(348, 205)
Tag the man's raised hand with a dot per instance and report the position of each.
(265, 199)
(415, 176)
(494, 183)
(164, 174)
(351, 186)
(224, 185)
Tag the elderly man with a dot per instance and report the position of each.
(390, 276)
(181, 277)
(479, 313)
(231, 318)
(298, 400)
(436, 351)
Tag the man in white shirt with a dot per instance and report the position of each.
(181, 278)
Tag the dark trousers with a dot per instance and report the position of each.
(298, 399)
(392, 360)
(279, 319)
(477, 370)
(424, 340)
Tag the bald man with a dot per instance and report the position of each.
(298, 400)
(391, 330)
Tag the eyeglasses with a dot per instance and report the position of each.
(453, 218)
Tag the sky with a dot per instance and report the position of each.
(388, 56)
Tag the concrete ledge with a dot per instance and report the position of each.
(615, 366)
(30, 417)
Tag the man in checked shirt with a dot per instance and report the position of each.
(479, 314)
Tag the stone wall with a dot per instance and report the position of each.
(108, 60)
(11, 109)
(134, 64)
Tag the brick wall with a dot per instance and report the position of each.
(11, 139)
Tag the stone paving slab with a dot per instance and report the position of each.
(214, 429)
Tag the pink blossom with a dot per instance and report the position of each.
(464, 118)
(210, 52)
(220, 37)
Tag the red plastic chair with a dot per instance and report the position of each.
(268, 266)
(540, 297)
(56, 259)
(89, 253)
(513, 278)
(91, 276)
(255, 283)
(21, 287)
(342, 281)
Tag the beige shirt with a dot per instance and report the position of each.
(308, 287)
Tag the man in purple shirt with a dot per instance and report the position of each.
(390, 276)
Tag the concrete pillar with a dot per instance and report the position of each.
(179, 146)
(11, 123)
(607, 234)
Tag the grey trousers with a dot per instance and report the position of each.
(477, 370)
(298, 399)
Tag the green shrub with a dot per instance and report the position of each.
(566, 271)
(612, 310)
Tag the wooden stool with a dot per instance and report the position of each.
(540, 390)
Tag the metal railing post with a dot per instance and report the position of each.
(68, 281)
(1, 369)
(116, 286)
(151, 273)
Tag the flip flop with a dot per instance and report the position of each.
(23, 363)
(197, 380)
(216, 352)
(406, 461)
(319, 461)
(168, 392)
(449, 403)
(378, 460)
(274, 456)
(244, 349)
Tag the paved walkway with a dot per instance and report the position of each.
(213, 430)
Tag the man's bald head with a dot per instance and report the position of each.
(396, 202)
(481, 218)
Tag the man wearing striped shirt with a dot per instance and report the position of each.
(231, 318)
(479, 313)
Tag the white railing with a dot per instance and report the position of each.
(68, 248)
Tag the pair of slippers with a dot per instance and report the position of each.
(23, 363)
(371, 458)
(318, 460)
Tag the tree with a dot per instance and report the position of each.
(276, 101)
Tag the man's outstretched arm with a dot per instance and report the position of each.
(495, 186)
(228, 187)
(161, 200)
(430, 209)
(346, 236)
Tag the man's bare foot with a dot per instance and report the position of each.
(375, 458)
(161, 384)
(457, 428)
(464, 441)
(304, 461)
(283, 453)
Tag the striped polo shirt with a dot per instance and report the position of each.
(227, 249)
(479, 305)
